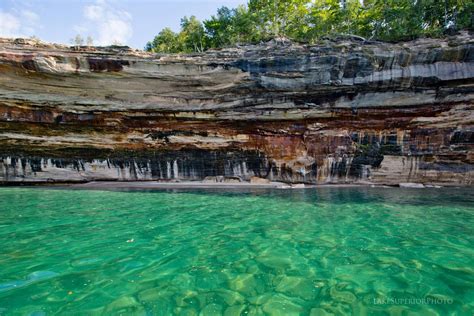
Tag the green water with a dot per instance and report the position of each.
(360, 251)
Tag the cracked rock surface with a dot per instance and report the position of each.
(337, 112)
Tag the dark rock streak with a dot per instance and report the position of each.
(337, 112)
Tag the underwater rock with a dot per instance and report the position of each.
(211, 310)
(125, 305)
(36, 276)
(296, 286)
(280, 305)
(231, 297)
(245, 284)
(320, 312)
(276, 259)
(235, 310)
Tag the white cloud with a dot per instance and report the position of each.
(93, 12)
(30, 17)
(80, 29)
(9, 25)
(18, 23)
(105, 24)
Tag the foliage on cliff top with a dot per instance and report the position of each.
(308, 20)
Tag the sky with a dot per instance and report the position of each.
(129, 22)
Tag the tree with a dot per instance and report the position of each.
(219, 28)
(165, 42)
(244, 26)
(465, 15)
(399, 20)
(439, 15)
(192, 34)
(325, 17)
(309, 20)
(280, 17)
(90, 41)
(78, 40)
(191, 38)
(231, 26)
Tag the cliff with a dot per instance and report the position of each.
(341, 111)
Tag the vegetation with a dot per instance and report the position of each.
(79, 41)
(309, 20)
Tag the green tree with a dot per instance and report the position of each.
(90, 41)
(440, 15)
(78, 40)
(165, 42)
(192, 35)
(219, 27)
(399, 20)
(465, 15)
(280, 17)
(231, 26)
(325, 18)
(309, 20)
(244, 26)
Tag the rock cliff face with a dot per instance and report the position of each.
(339, 112)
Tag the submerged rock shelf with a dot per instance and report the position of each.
(336, 112)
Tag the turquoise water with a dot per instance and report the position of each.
(363, 251)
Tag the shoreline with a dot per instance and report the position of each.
(213, 185)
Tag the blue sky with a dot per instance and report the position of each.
(130, 22)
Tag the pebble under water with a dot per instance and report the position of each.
(341, 251)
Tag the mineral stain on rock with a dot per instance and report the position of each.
(104, 64)
(337, 112)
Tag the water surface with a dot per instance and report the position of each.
(262, 252)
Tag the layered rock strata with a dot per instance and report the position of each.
(341, 111)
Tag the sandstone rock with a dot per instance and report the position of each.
(235, 310)
(258, 180)
(261, 299)
(244, 283)
(298, 186)
(342, 111)
(320, 312)
(281, 305)
(342, 296)
(126, 305)
(185, 311)
(231, 297)
(211, 310)
(232, 180)
(411, 185)
(275, 261)
(297, 287)
(209, 180)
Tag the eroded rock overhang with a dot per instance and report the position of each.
(336, 112)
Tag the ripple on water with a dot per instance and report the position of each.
(36, 276)
(313, 252)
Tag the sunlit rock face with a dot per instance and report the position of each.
(338, 112)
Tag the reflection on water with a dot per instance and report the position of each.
(253, 252)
